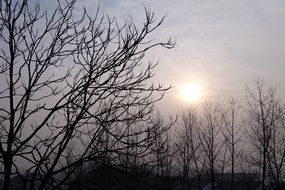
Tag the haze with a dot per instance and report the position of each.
(223, 44)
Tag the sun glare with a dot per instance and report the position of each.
(191, 92)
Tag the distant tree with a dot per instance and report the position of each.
(201, 145)
(276, 151)
(129, 159)
(213, 142)
(161, 153)
(68, 80)
(188, 148)
(153, 155)
(231, 131)
(265, 116)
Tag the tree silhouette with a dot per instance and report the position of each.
(265, 115)
(189, 149)
(231, 131)
(67, 81)
(213, 142)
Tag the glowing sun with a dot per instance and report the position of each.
(191, 92)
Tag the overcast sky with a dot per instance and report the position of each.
(223, 44)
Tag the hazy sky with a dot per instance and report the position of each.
(223, 44)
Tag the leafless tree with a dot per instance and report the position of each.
(231, 131)
(70, 79)
(188, 154)
(129, 159)
(154, 154)
(264, 114)
(276, 151)
(201, 145)
(161, 154)
(213, 142)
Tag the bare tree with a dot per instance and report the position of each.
(70, 80)
(276, 151)
(264, 114)
(188, 154)
(153, 154)
(201, 145)
(213, 142)
(161, 154)
(231, 131)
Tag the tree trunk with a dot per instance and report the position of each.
(8, 170)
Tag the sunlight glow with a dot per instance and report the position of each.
(191, 92)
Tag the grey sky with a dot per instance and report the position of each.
(223, 44)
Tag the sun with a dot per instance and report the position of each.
(191, 92)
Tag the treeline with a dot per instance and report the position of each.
(228, 137)
(212, 139)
